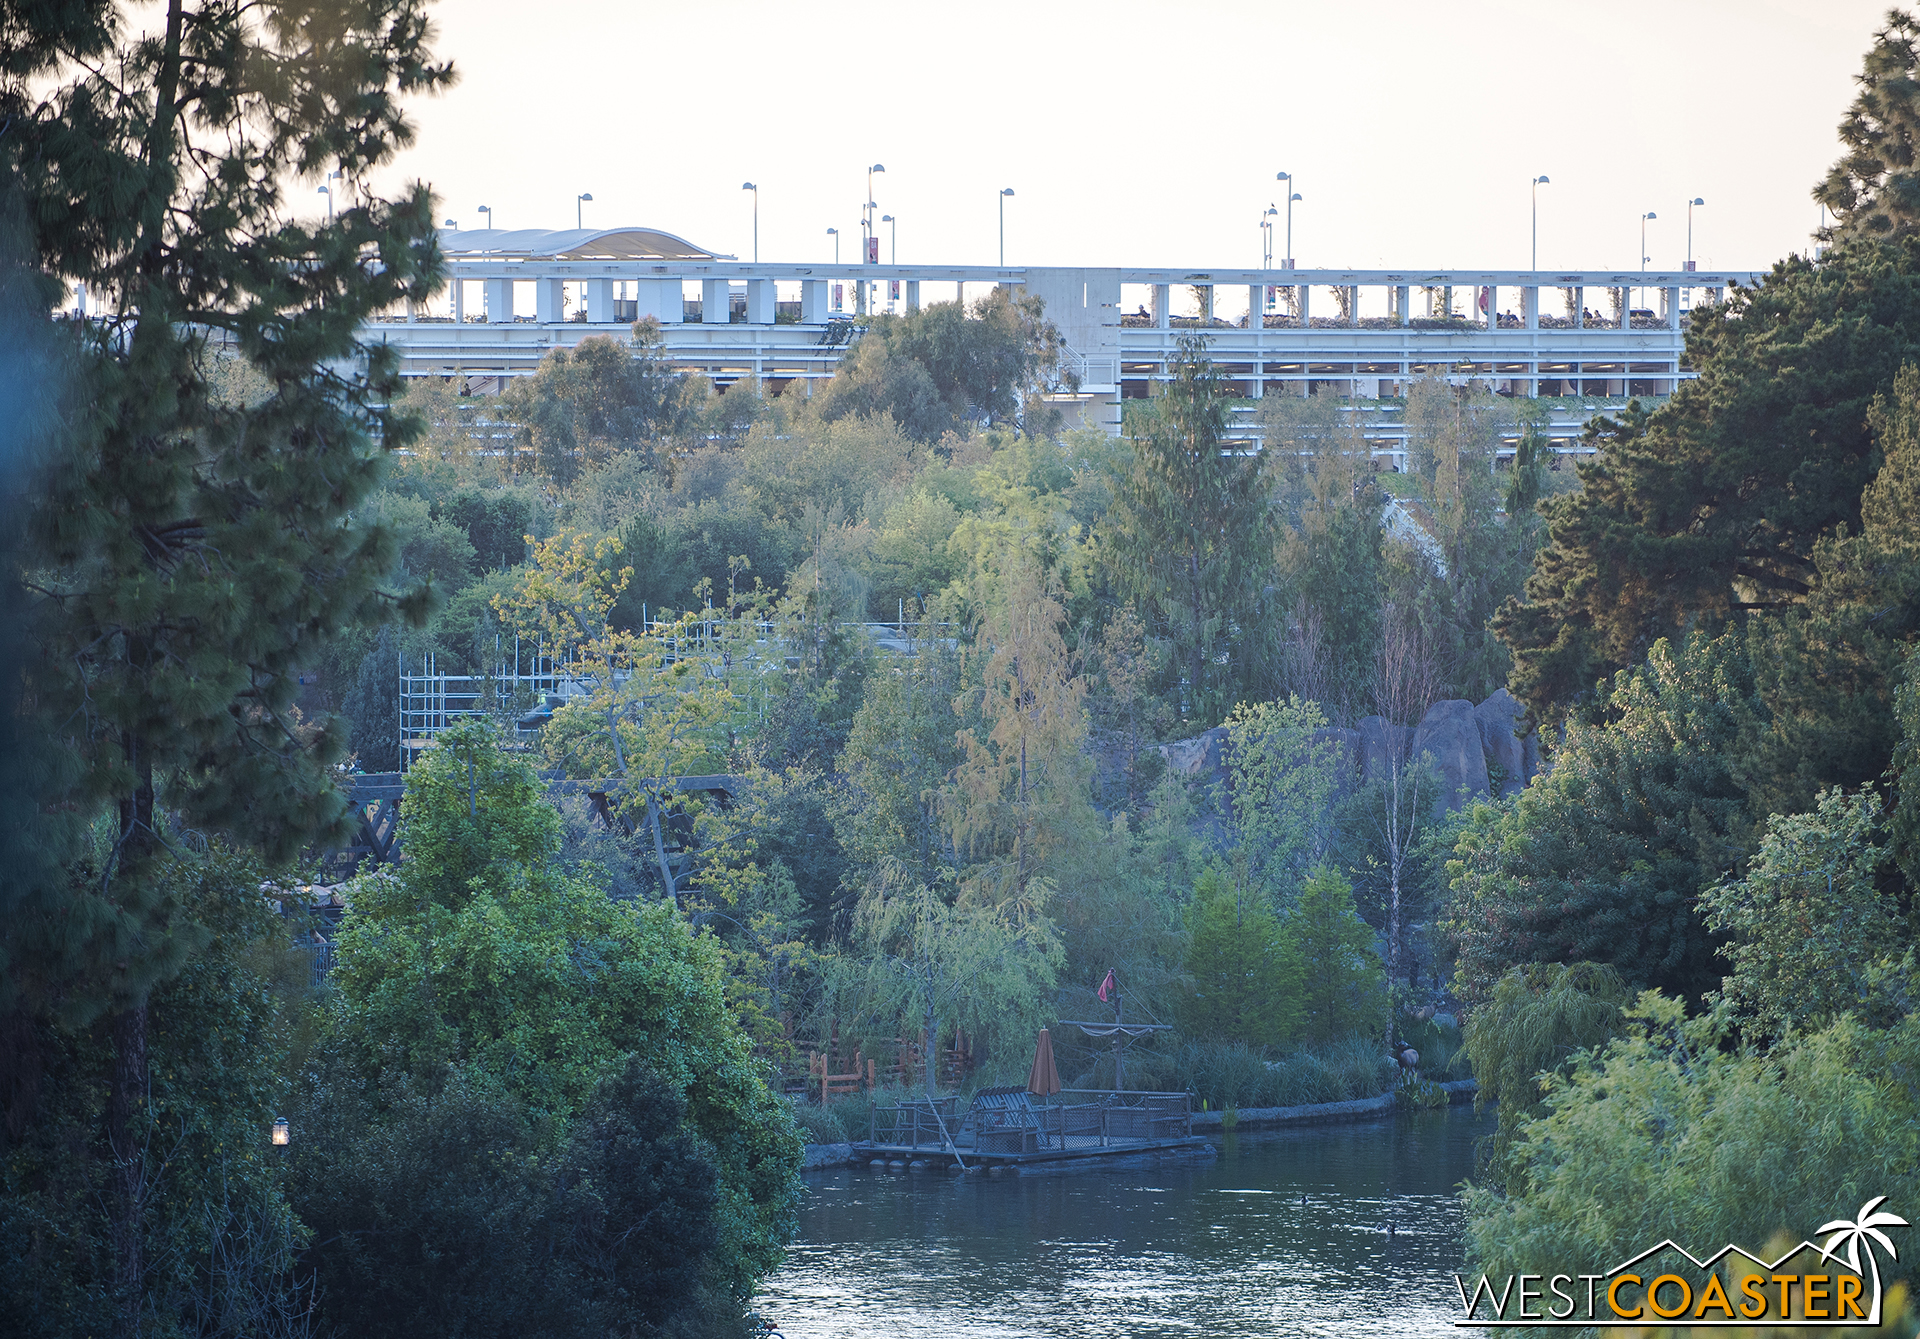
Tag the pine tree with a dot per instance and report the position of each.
(1874, 190)
(1191, 533)
(188, 552)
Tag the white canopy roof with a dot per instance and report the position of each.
(571, 244)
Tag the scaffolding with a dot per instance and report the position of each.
(430, 701)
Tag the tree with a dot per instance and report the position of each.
(600, 397)
(1874, 189)
(1246, 986)
(1538, 1019)
(1810, 923)
(1603, 859)
(481, 955)
(986, 967)
(1286, 770)
(1712, 506)
(1190, 533)
(191, 552)
(1326, 946)
(945, 368)
(1673, 1131)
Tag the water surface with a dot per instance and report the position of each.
(1215, 1248)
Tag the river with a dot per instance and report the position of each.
(1216, 1248)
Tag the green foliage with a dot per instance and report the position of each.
(1188, 533)
(1604, 858)
(1246, 988)
(1330, 949)
(944, 369)
(1227, 1075)
(218, 1237)
(1810, 922)
(1714, 503)
(1537, 1020)
(1874, 190)
(1286, 770)
(448, 1216)
(1673, 1132)
(479, 953)
(601, 397)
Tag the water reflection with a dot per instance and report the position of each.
(1217, 1248)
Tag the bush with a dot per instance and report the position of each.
(1230, 1074)
(1442, 1050)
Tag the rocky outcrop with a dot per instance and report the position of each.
(1449, 736)
(1499, 720)
(1471, 747)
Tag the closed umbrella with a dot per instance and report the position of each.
(1044, 1081)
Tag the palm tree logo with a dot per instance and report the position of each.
(1865, 1227)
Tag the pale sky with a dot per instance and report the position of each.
(1149, 134)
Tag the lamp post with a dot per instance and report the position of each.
(451, 223)
(579, 215)
(1538, 182)
(1003, 225)
(749, 186)
(866, 213)
(1690, 204)
(1286, 261)
(281, 1135)
(328, 192)
(1644, 257)
(893, 238)
(488, 211)
(834, 233)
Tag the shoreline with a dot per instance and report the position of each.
(821, 1156)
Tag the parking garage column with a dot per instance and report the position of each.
(716, 302)
(1579, 308)
(600, 302)
(549, 301)
(459, 287)
(1403, 300)
(1530, 307)
(761, 307)
(813, 302)
(1163, 305)
(660, 299)
(499, 300)
(1671, 296)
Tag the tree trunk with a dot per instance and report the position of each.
(124, 1101)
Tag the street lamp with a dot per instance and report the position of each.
(1644, 257)
(1690, 204)
(1266, 235)
(488, 211)
(834, 233)
(1538, 182)
(1286, 261)
(866, 213)
(893, 238)
(579, 216)
(1003, 226)
(451, 223)
(749, 186)
(329, 194)
(280, 1132)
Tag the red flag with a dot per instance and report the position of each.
(1108, 986)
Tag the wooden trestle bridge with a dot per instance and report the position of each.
(1011, 1127)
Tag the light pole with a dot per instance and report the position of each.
(749, 186)
(893, 238)
(1690, 204)
(834, 233)
(1003, 226)
(866, 214)
(579, 215)
(488, 211)
(1286, 261)
(1538, 182)
(1644, 257)
(328, 192)
(1266, 236)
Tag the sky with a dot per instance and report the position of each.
(1145, 134)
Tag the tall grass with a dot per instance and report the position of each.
(1230, 1074)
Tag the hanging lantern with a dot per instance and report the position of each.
(280, 1131)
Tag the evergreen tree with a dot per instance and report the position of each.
(1712, 506)
(191, 550)
(1246, 988)
(1329, 949)
(1191, 535)
(1873, 191)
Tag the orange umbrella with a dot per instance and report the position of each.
(1044, 1081)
